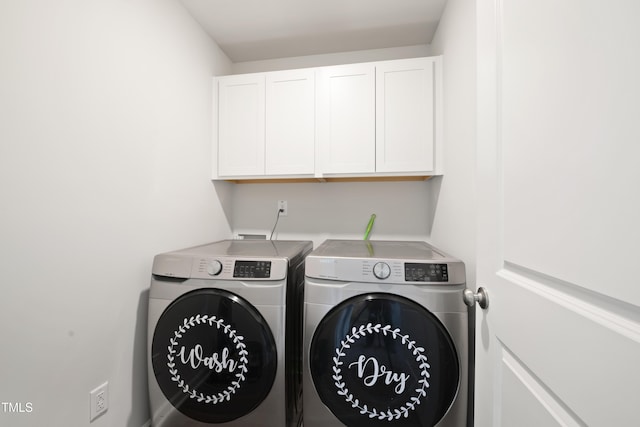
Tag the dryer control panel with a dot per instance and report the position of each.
(392, 262)
(410, 272)
(426, 272)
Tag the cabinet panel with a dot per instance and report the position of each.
(290, 123)
(241, 125)
(405, 116)
(346, 122)
(359, 120)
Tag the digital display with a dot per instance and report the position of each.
(418, 272)
(252, 269)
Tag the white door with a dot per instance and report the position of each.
(241, 116)
(406, 104)
(290, 122)
(346, 119)
(559, 213)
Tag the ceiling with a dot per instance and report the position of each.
(251, 30)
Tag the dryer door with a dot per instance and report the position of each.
(383, 360)
(213, 355)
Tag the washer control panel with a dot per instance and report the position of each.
(214, 268)
(231, 268)
(252, 269)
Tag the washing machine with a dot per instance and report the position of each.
(225, 335)
(386, 340)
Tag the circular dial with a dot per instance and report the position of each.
(381, 270)
(214, 268)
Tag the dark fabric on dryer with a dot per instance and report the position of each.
(382, 360)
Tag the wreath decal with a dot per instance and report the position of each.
(421, 359)
(241, 369)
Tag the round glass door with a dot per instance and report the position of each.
(213, 355)
(381, 359)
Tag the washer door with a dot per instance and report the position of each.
(381, 359)
(213, 356)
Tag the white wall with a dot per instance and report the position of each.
(453, 194)
(319, 211)
(332, 59)
(104, 161)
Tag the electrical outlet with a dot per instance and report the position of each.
(282, 207)
(99, 401)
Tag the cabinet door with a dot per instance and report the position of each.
(290, 122)
(241, 125)
(346, 121)
(405, 115)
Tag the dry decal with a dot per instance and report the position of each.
(370, 372)
(230, 359)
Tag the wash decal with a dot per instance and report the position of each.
(214, 358)
(381, 359)
(196, 358)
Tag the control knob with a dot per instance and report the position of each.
(381, 270)
(214, 268)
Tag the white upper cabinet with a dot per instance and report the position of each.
(266, 124)
(346, 119)
(406, 104)
(290, 123)
(241, 112)
(360, 120)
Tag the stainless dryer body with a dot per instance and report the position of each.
(386, 340)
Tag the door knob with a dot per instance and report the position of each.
(481, 297)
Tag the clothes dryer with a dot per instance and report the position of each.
(225, 333)
(386, 336)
